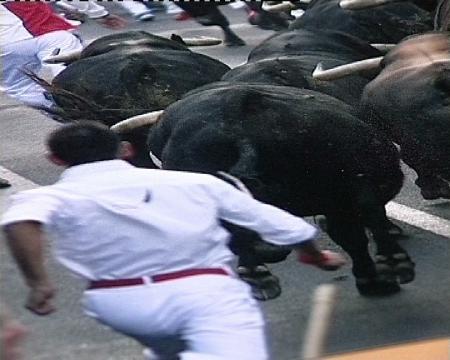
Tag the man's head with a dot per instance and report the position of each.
(82, 143)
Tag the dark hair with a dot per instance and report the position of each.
(83, 142)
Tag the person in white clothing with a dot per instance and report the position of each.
(136, 8)
(32, 31)
(150, 246)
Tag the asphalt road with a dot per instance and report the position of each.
(420, 311)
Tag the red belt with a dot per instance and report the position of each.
(99, 284)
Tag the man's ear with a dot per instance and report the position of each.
(126, 151)
(55, 160)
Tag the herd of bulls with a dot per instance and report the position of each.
(303, 143)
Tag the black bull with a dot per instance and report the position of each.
(289, 58)
(383, 24)
(301, 151)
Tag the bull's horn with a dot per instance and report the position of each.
(66, 58)
(137, 121)
(202, 41)
(344, 70)
(384, 47)
(362, 4)
(283, 6)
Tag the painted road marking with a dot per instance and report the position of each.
(396, 211)
(419, 219)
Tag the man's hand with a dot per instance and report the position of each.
(39, 300)
(112, 21)
(327, 260)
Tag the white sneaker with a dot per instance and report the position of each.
(237, 5)
(147, 16)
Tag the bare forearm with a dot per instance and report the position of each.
(26, 243)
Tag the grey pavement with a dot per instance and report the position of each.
(420, 311)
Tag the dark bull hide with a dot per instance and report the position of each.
(313, 42)
(383, 24)
(131, 39)
(289, 58)
(410, 102)
(130, 81)
(125, 74)
(442, 16)
(299, 150)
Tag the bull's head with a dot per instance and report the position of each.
(416, 51)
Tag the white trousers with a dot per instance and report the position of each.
(27, 55)
(135, 8)
(215, 315)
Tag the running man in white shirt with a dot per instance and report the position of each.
(150, 246)
(32, 31)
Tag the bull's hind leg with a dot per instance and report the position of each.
(348, 232)
(390, 257)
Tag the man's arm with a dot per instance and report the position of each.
(96, 12)
(274, 225)
(26, 241)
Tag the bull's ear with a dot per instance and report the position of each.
(442, 81)
(177, 38)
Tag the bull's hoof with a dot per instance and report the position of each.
(264, 285)
(393, 229)
(376, 286)
(398, 266)
(404, 268)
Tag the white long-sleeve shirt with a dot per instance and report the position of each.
(112, 220)
(24, 20)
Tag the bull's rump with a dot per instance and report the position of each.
(295, 144)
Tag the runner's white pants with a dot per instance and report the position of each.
(135, 8)
(216, 315)
(28, 55)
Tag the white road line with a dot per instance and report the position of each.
(419, 219)
(396, 211)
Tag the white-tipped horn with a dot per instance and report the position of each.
(283, 6)
(137, 121)
(66, 58)
(202, 41)
(384, 47)
(362, 4)
(344, 70)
